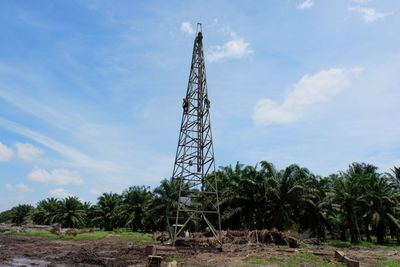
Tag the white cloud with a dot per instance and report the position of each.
(5, 153)
(57, 176)
(23, 188)
(370, 14)
(237, 47)
(28, 152)
(306, 4)
(95, 191)
(311, 89)
(213, 24)
(18, 187)
(187, 28)
(59, 193)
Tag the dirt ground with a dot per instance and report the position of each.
(237, 255)
(17, 250)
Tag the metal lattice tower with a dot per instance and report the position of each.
(194, 163)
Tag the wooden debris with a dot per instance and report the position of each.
(151, 250)
(154, 261)
(339, 255)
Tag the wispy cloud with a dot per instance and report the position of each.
(88, 128)
(213, 24)
(187, 28)
(57, 176)
(18, 188)
(237, 47)
(59, 193)
(311, 89)
(28, 152)
(59, 115)
(96, 191)
(306, 4)
(5, 153)
(370, 14)
(76, 156)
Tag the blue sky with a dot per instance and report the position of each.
(91, 91)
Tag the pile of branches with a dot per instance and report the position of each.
(236, 237)
(259, 237)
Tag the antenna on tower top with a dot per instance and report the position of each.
(199, 27)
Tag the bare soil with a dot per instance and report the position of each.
(18, 250)
(237, 255)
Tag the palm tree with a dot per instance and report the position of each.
(395, 180)
(164, 203)
(135, 203)
(5, 216)
(337, 225)
(314, 206)
(46, 211)
(395, 177)
(249, 196)
(243, 199)
(293, 190)
(20, 214)
(106, 213)
(347, 198)
(87, 207)
(383, 202)
(70, 212)
(348, 193)
(228, 184)
(266, 198)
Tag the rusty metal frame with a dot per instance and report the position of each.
(194, 166)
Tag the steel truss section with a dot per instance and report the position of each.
(194, 167)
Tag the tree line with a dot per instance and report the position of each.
(357, 204)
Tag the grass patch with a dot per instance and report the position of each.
(136, 238)
(348, 244)
(390, 263)
(338, 244)
(86, 236)
(171, 258)
(261, 260)
(46, 234)
(298, 259)
(80, 237)
(362, 244)
(308, 258)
